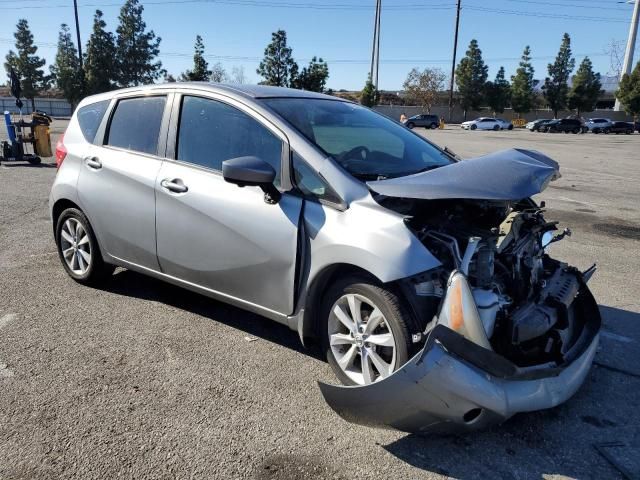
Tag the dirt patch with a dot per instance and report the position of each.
(585, 210)
(285, 467)
(618, 230)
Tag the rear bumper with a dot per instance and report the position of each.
(452, 384)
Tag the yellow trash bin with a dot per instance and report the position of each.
(42, 141)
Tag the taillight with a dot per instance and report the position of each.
(61, 151)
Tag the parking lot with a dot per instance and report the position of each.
(145, 380)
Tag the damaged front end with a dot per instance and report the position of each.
(507, 329)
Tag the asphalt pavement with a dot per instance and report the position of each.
(140, 379)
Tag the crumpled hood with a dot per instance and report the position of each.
(511, 174)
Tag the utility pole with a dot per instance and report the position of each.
(627, 66)
(375, 49)
(453, 62)
(75, 9)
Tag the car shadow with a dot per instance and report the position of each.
(133, 284)
(560, 441)
(14, 164)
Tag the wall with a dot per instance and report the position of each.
(55, 107)
(394, 111)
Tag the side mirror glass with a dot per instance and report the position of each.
(547, 238)
(254, 172)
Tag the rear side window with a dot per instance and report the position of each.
(135, 124)
(211, 132)
(89, 118)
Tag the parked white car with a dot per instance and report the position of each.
(482, 123)
(597, 125)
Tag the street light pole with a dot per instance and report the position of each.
(627, 66)
(453, 62)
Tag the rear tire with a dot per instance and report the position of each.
(78, 248)
(34, 160)
(346, 347)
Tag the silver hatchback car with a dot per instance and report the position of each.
(425, 278)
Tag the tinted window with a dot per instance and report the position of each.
(135, 124)
(89, 118)
(211, 132)
(310, 183)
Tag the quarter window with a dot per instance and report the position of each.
(211, 132)
(310, 183)
(89, 118)
(136, 124)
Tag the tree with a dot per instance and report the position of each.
(422, 87)
(99, 60)
(522, 95)
(629, 92)
(471, 75)
(26, 64)
(136, 49)
(218, 73)
(168, 78)
(200, 72)
(585, 89)
(369, 95)
(278, 67)
(498, 93)
(313, 77)
(238, 76)
(556, 87)
(66, 71)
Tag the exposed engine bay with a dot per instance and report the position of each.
(523, 297)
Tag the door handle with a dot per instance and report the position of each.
(93, 163)
(175, 185)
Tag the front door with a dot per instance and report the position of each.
(215, 234)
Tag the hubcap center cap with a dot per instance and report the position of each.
(359, 339)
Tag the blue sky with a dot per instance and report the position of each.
(414, 32)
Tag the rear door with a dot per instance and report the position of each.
(117, 179)
(215, 234)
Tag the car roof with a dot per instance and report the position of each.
(235, 90)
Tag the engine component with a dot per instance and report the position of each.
(532, 320)
(484, 266)
(488, 305)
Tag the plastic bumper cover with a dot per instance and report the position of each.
(452, 384)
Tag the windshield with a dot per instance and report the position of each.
(368, 145)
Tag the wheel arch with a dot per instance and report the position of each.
(308, 321)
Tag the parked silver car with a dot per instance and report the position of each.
(599, 125)
(424, 278)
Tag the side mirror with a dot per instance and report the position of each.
(253, 172)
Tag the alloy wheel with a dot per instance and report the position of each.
(75, 246)
(361, 340)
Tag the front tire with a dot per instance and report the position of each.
(473, 127)
(410, 125)
(434, 126)
(78, 248)
(364, 331)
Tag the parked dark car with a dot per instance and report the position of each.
(620, 127)
(427, 121)
(565, 125)
(636, 126)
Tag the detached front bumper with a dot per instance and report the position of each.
(452, 384)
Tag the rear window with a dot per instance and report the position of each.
(135, 124)
(89, 118)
